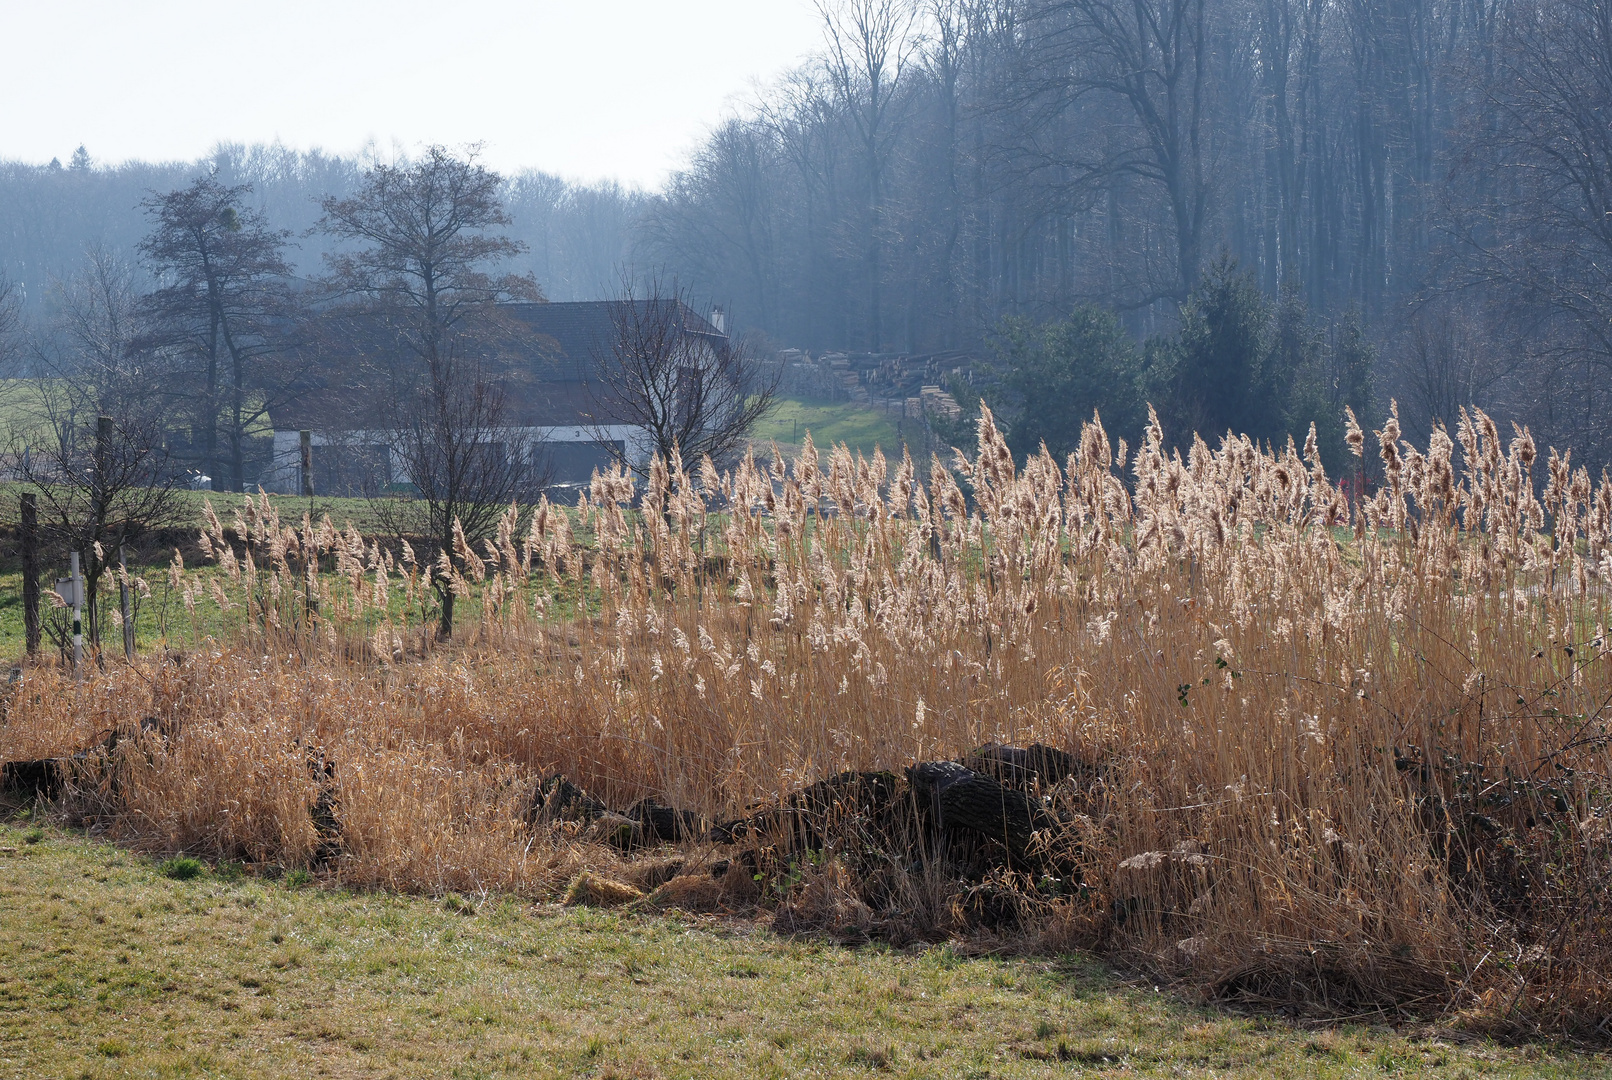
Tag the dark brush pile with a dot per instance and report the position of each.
(45, 778)
(990, 830)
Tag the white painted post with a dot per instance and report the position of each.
(78, 614)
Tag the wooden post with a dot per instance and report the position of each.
(104, 428)
(30, 570)
(305, 443)
(306, 438)
(123, 597)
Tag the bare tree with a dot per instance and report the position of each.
(1538, 242)
(102, 483)
(449, 435)
(671, 374)
(224, 303)
(944, 59)
(91, 348)
(97, 457)
(1444, 361)
(427, 232)
(10, 321)
(718, 209)
(13, 340)
(95, 452)
(870, 46)
(1151, 57)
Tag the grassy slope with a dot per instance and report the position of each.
(109, 969)
(830, 422)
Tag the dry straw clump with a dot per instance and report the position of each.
(1336, 753)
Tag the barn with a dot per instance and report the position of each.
(547, 358)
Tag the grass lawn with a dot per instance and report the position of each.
(830, 422)
(188, 508)
(108, 968)
(161, 616)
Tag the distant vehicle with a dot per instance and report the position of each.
(197, 481)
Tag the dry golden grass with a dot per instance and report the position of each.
(1347, 753)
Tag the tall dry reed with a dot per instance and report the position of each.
(1346, 751)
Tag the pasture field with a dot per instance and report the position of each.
(830, 423)
(110, 969)
(155, 620)
(1200, 713)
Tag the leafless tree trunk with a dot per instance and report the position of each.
(426, 233)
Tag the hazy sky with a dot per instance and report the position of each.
(586, 88)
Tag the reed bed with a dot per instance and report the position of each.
(1342, 754)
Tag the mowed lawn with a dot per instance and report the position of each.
(108, 969)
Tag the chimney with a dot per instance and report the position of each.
(719, 319)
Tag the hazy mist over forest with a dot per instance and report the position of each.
(1313, 203)
(51, 215)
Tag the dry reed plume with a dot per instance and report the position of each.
(1343, 753)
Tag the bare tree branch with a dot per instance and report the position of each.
(666, 371)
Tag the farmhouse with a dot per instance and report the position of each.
(546, 360)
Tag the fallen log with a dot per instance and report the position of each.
(661, 824)
(1024, 768)
(44, 778)
(557, 799)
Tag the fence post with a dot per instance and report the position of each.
(123, 597)
(30, 570)
(78, 615)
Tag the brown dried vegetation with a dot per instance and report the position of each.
(1332, 754)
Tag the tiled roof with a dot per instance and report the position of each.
(566, 339)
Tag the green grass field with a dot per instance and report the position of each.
(830, 422)
(160, 617)
(108, 968)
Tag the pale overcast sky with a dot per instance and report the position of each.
(586, 88)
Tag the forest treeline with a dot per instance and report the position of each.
(1437, 173)
(1254, 211)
